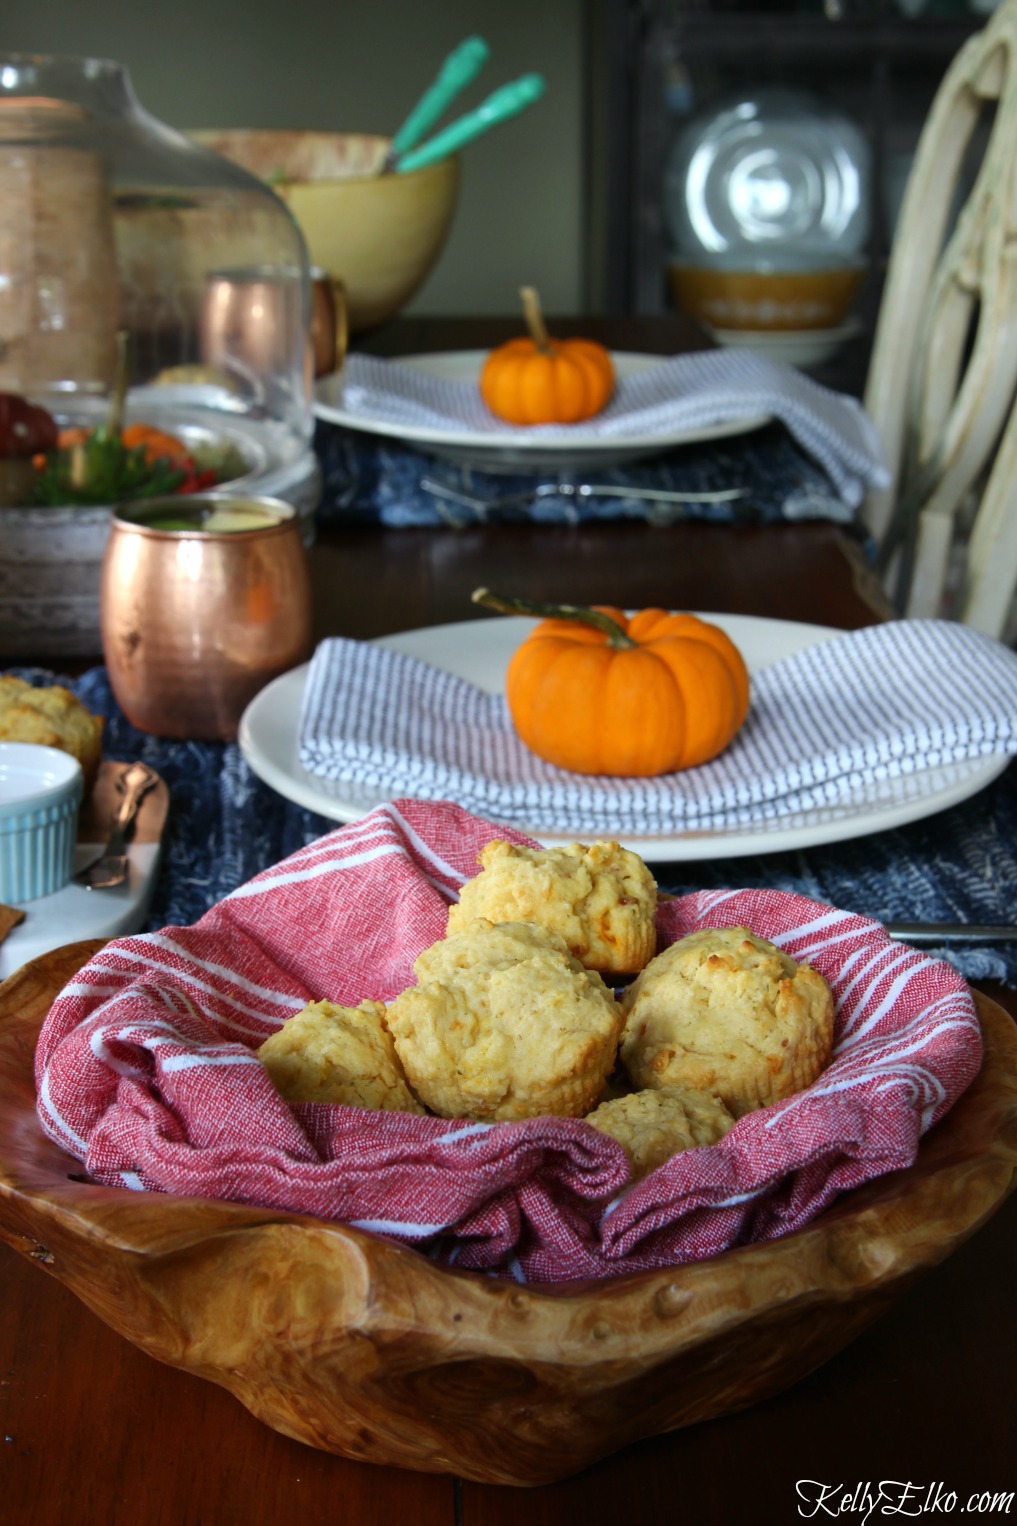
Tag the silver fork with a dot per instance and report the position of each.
(111, 867)
(576, 490)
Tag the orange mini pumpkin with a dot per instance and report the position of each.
(598, 692)
(540, 380)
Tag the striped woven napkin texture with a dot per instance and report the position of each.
(683, 394)
(845, 715)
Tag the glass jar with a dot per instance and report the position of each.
(773, 177)
(767, 200)
(121, 236)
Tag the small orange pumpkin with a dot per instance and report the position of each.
(540, 380)
(598, 692)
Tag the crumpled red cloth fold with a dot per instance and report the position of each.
(146, 1072)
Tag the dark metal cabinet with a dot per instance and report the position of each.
(656, 62)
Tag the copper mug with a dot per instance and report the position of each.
(255, 325)
(251, 317)
(203, 600)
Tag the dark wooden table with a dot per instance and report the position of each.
(368, 581)
(93, 1431)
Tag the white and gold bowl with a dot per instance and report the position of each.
(767, 300)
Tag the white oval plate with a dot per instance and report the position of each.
(479, 651)
(583, 451)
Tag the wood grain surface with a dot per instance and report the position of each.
(368, 581)
(357, 1346)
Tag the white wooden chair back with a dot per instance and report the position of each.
(943, 377)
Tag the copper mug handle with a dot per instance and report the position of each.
(330, 322)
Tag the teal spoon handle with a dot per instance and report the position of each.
(457, 71)
(504, 103)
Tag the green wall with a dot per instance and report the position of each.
(359, 66)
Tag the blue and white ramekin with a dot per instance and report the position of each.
(40, 795)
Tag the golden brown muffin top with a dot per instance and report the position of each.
(601, 898)
(328, 1053)
(653, 1125)
(51, 717)
(505, 1023)
(724, 1010)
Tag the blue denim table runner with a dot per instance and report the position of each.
(373, 480)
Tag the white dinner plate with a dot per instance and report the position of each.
(583, 451)
(479, 651)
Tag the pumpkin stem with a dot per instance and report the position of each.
(535, 319)
(507, 605)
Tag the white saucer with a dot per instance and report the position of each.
(795, 347)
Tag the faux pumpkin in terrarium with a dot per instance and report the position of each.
(105, 463)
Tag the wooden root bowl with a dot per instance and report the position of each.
(361, 1347)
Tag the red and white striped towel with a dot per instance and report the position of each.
(145, 1071)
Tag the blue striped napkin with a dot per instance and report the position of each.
(883, 703)
(683, 393)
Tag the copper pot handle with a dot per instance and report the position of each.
(330, 323)
(342, 324)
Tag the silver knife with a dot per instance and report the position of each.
(938, 934)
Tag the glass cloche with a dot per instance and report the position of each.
(146, 284)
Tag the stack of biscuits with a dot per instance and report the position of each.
(51, 716)
(547, 996)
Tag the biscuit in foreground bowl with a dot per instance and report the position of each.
(600, 898)
(504, 1023)
(654, 1124)
(726, 1011)
(328, 1053)
(357, 1346)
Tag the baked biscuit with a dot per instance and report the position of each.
(725, 1011)
(601, 899)
(653, 1125)
(51, 717)
(328, 1053)
(505, 1023)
